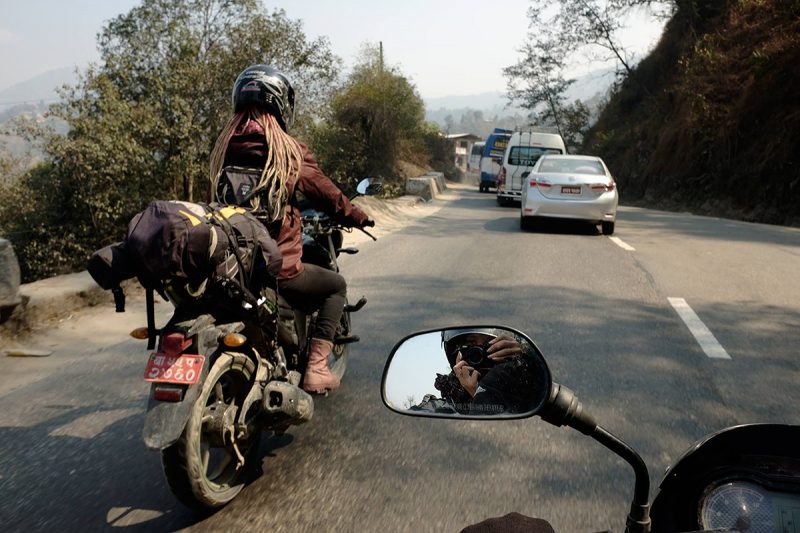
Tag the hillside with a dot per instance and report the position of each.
(710, 122)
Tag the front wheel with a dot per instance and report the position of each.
(207, 466)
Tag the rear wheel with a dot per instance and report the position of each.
(608, 228)
(208, 465)
(525, 223)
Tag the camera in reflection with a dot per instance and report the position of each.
(476, 356)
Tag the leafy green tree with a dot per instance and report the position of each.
(142, 122)
(375, 119)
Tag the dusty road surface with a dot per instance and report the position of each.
(605, 316)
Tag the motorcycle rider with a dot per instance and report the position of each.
(256, 136)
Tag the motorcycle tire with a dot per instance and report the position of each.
(201, 467)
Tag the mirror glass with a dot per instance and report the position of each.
(369, 186)
(467, 372)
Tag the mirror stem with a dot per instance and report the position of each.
(564, 409)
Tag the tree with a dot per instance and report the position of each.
(142, 122)
(374, 119)
(536, 79)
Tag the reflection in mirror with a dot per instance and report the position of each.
(467, 371)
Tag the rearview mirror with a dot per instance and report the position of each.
(369, 186)
(467, 372)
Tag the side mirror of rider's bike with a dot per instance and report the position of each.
(369, 186)
(494, 372)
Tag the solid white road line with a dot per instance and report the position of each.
(622, 244)
(703, 335)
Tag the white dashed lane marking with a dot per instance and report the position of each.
(622, 244)
(701, 333)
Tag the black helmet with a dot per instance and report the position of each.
(265, 87)
(453, 338)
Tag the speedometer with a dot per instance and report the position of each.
(738, 506)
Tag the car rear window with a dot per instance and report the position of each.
(577, 166)
(528, 155)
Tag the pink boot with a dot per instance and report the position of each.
(318, 377)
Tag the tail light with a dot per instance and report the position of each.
(603, 187)
(175, 343)
(166, 393)
(544, 184)
(501, 176)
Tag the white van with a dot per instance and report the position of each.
(474, 162)
(523, 151)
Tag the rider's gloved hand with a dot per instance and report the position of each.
(369, 223)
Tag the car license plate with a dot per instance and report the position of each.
(567, 189)
(184, 369)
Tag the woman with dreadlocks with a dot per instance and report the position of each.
(256, 137)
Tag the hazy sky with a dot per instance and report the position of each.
(446, 47)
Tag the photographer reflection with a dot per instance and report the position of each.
(490, 374)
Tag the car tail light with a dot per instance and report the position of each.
(540, 183)
(165, 393)
(603, 187)
(175, 343)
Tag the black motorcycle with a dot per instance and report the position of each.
(227, 367)
(744, 478)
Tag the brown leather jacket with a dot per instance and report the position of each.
(248, 148)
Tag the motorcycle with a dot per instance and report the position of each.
(744, 478)
(227, 368)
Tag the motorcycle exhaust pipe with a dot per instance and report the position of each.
(286, 404)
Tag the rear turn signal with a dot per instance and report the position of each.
(234, 340)
(139, 333)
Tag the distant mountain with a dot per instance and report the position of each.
(590, 88)
(37, 89)
(30, 99)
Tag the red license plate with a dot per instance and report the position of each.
(184, 369)
(570, 190)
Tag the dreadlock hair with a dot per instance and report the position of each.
(284, 158)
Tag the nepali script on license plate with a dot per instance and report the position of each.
(570, 190)
(184, 369)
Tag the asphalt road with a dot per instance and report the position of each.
(71, 456)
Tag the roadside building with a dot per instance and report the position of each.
(462, 143)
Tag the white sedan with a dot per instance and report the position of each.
(576, 187)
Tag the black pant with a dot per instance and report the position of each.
(317, 288)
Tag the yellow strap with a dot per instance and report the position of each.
(193, 219)
(227, 212)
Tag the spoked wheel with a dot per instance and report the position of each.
(207, 466)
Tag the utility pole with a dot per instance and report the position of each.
(380, 44)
